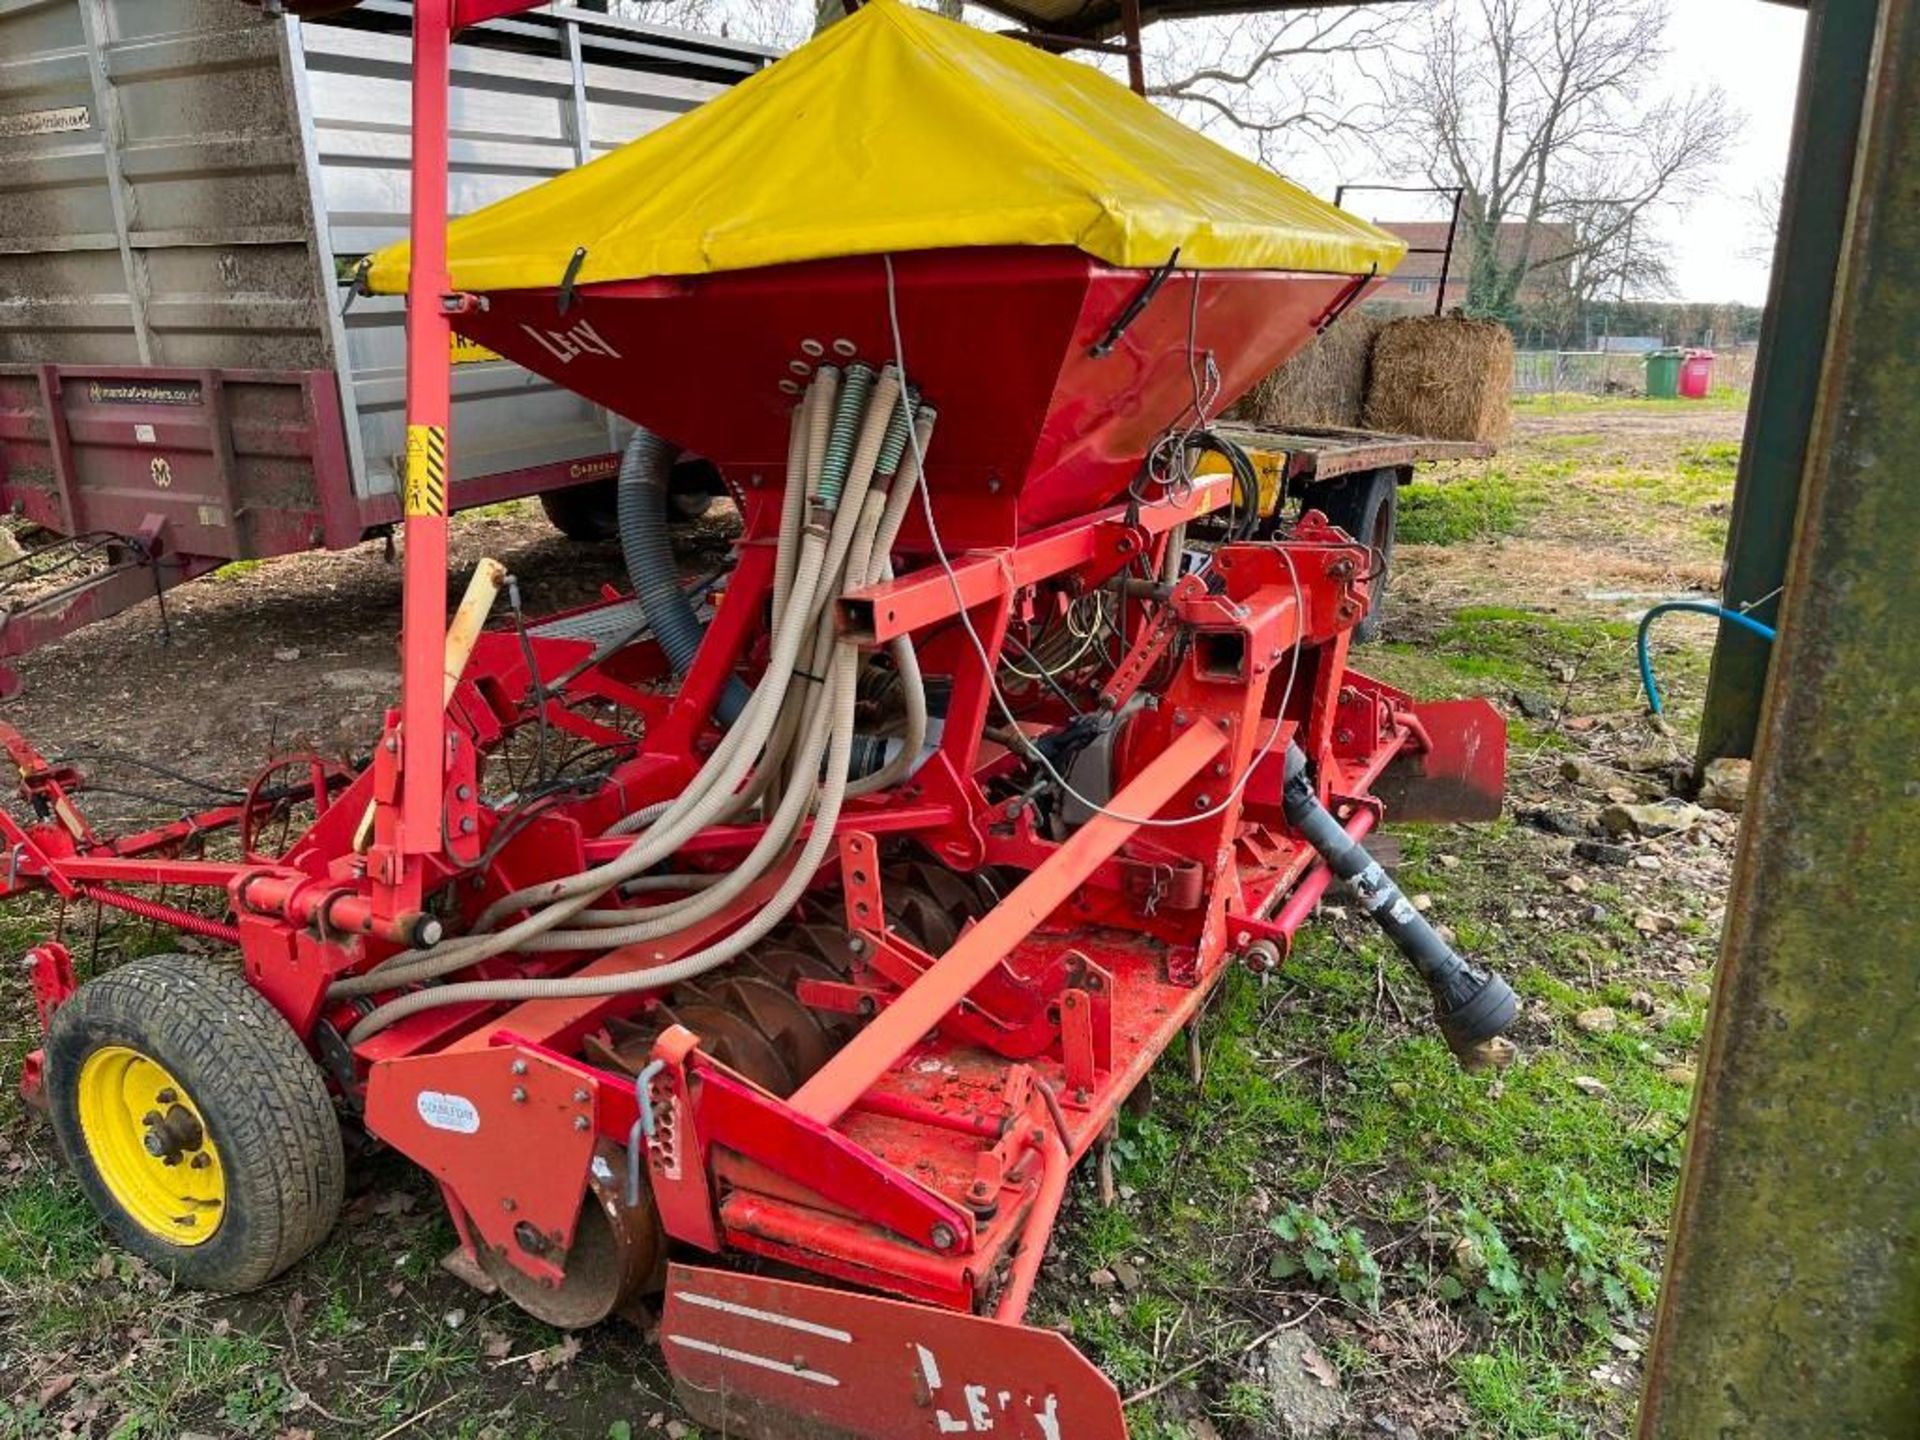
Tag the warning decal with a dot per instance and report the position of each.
(426, 492)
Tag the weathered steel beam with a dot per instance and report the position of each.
(1791, 1308)
(1793, 343)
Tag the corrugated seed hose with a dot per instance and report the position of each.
(838, 524)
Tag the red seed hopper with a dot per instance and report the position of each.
(1053, 372)
(785, 954)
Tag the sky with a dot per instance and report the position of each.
(1753, 50)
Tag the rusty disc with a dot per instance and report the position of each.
(734, 1041)
(618, 1254)
(790, 1027)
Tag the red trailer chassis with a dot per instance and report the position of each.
(986, 984)
(168, 474)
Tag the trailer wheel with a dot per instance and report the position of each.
(1367, 506)
(588, 513)
(196, 1122)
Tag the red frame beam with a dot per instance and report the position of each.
(839, 1085)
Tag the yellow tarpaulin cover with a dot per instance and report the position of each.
(897, 130)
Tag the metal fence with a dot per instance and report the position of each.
(1606, 372)
(1580, 372)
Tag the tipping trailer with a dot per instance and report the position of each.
(186, 191)
(884, 883)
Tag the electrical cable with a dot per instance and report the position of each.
(103, 755)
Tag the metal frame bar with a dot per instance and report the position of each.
(97, 26)
(1459, 194)
(835, 1088)
(1793, 348)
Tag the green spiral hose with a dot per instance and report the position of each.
(894, 446)
(847, 416)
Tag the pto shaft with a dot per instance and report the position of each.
(1473, 1006)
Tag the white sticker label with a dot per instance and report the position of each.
(448, 1112)
(45, 122)
(145, 434)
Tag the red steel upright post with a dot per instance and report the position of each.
(412, 828)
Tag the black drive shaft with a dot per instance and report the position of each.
(1473, 1006)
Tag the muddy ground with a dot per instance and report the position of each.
(1365, 1243)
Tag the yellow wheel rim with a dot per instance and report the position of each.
(150, 1145)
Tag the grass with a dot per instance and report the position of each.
(1472, 1255)
(1721, 397)
(235, 571)
(1470, 507)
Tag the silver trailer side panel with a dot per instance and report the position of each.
(184, 182)
(566, 95)
(153, 202)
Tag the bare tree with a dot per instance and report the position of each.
(1766, 204)
(1255, 82)
(764, 22)
(1540, 111)
(1270, 81)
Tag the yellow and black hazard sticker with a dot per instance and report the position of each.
(426, 470)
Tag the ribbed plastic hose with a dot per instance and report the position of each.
(793, 500)
(606, 929)
(647, 548)
(848, 413)
(689, 813)
(812, 855)
(852, 555)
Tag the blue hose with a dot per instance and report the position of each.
(1699, 607)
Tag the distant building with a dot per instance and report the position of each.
(1417, 284)
(1629, 344)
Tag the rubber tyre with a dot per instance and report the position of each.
(692, 487)
(1366, 505)
(264, 1105)
(588, 513)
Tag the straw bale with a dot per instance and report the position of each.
(1325, 384)
(1442, 377)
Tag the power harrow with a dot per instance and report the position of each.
(849, 898)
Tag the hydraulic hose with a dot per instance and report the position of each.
(642, 493)
(1472, 1006)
